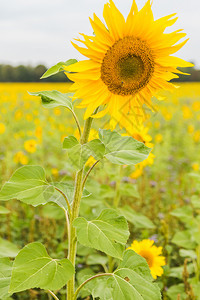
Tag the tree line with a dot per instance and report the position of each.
(23, 73)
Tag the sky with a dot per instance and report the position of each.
(40, 31)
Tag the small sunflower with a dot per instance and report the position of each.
(30, 146)
(129, 62)
(151, 253)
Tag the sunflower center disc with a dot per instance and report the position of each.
(127, 66)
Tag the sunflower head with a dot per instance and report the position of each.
(152, 255)
(128, 62)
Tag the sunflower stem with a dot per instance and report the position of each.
(75, 211)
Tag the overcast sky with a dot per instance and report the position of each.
(39, 31)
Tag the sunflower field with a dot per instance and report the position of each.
(159, 197)
(100, 178)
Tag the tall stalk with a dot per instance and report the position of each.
(75, 211)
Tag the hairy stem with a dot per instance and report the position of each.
(77, 122)
(75, 211)
(65, 197)
(88, 280)
(88, 173)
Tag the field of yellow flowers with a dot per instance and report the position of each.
(162, 193)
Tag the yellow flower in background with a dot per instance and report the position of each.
(129, 62)
(158, 138)
(190, 128)
(30, 146)
(152, 254)
(196, 136)
(195, 166)
(2, 128)
(157, 124)
(143, 136)
(57, 111)
(21, 158)
(54, 172)
(18, 115)
(187, 114)
(196, 106)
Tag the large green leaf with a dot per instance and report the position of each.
(5, 275)
(8, 249)
(184, 239)
(135, 218)
(34, 268)
(132, 280)
(58, 68)
(123, 150)
(27, 184)
(54, 98)
(79, 154)
(108, 233)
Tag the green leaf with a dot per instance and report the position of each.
(108, 233)
(8, 249)
(69, 142)
(79, 154)
(132, 279)
(184, 239)
(34, 268)
(68, 190)
(184, 213)
(188, 253)
(95, 259)
(177, 272)
(129, 189)
(5, 275)
(135, 218)
(137, 263)
(58, 68)
(27, 184)
(51, 99)
(177, 290)
(123, 150)
(4, 210)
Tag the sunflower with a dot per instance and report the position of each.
(142, 135)
(128, 62)
(151, 253)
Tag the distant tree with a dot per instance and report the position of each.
(23, 73)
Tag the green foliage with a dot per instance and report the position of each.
(110, 145)
(78, 154)
(137, 219)
(131, 280)
(108, 233)
(4, 210)
(57, 68)
(33, 267)
(5, 276)
(7, 249)
(27, 184)
(51, 99)
(122, 150)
